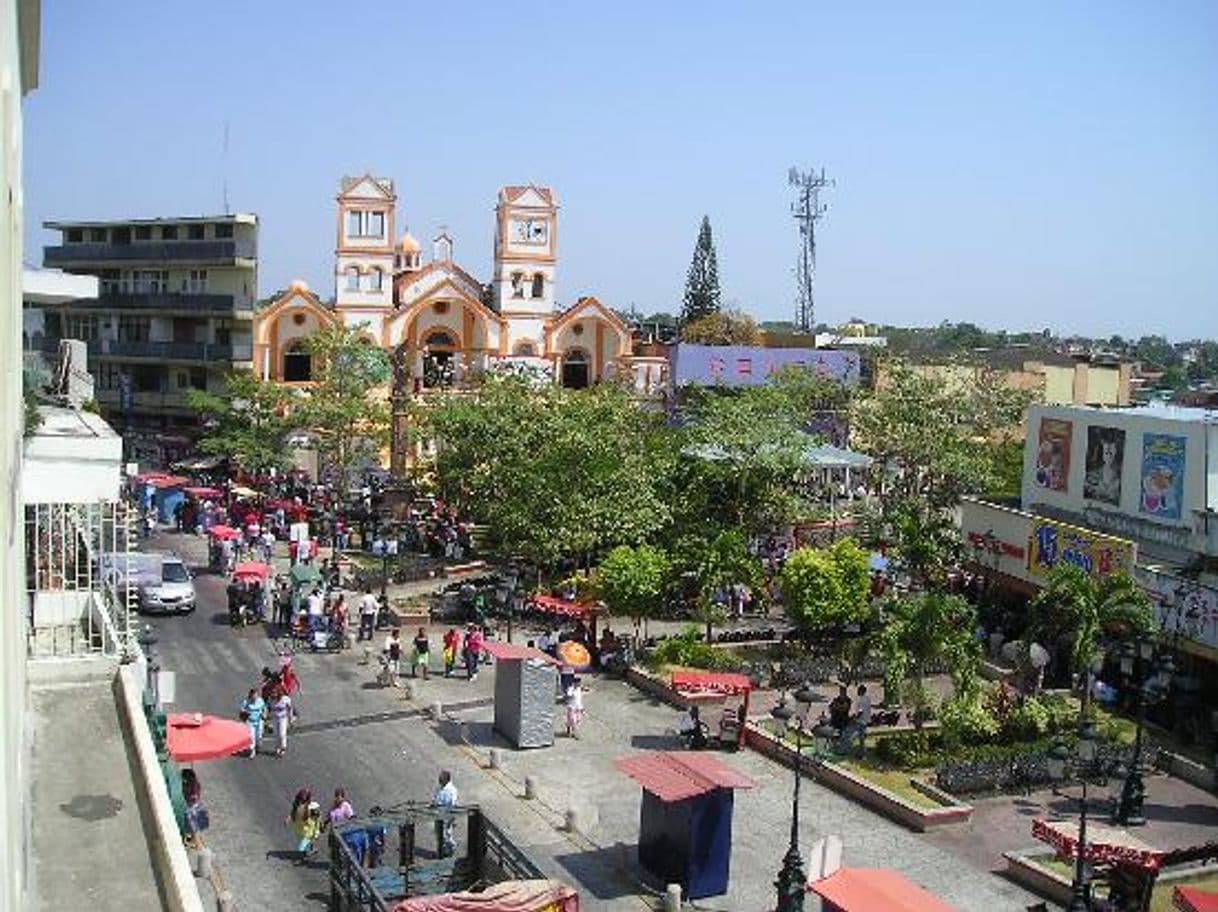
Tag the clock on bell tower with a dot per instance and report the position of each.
(525, 249)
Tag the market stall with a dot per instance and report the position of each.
(525, 682)
(874, 890)
(685, 824)
(1194, 899)
(732, 690)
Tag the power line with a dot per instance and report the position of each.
(808, 210)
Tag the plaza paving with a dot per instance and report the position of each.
(383, 748)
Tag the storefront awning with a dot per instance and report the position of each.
(875, 890)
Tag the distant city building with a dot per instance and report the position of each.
(438, 321)
(752, 365)
(174, 312)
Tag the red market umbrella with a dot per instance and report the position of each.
(255, 570)
(222, 531)
(1194, 899)
(194, 736)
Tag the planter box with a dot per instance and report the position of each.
(864, 792)
(1022, 867)
(1190, 771)
(655, 686)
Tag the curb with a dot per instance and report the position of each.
(181, 893)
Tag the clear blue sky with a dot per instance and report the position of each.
(1019, 165)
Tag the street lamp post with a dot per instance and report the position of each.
(1137, 664)
(792, 881)
(1083, 759)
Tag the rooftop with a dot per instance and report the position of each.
(59, 421)
(1153, 409)
(54, 286)
(243, 218)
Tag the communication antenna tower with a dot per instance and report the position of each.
(808, 210)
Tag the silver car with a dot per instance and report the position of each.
(172, 593)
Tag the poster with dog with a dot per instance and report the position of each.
(1105, 461)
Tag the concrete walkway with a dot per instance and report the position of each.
(89, 848)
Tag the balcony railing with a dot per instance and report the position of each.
(188, 303)
(144, 400)
(152, 252)
(173, 351)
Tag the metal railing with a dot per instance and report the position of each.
(151, 252)
(186, 302)
(75, 606)
(173, 351)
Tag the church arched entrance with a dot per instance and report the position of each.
(297, 364)
(575, 373)
(439, 358)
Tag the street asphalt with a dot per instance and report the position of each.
(383, 748)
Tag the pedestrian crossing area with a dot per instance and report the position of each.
(243, 656)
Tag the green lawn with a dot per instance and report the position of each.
(1160, 900)
(891, 780)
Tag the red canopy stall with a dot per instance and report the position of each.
(194, 736)
(1194, 899)
(709, 685)
(251, 571)
(874, 890)
(1106, 845)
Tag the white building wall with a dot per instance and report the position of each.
(14, 769)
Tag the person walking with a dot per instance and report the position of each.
(473, 651)
(340, 809)
(575, 708)
(367, 614)
(445, 799)
(281, 709)
(304, 820)
(253, 711)
(393, 651)
(422, 654)
(452, 642)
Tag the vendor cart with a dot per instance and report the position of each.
(525, 680)
(729, 691)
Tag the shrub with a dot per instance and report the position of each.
(967, 719)
(687, 649)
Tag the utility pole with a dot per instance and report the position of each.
(807, 210)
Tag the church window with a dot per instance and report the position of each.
(440, 307)
(517, 285)
(376, 224)
(374, 280)
(439, 338)
(525, 349)
(352, 279)
(353, 224)
(539, 285)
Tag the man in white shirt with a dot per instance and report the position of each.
(316, 604)
(368, 607)
(445, 797)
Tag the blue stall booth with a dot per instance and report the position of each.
(685, 825)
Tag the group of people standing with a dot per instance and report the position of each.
(272, 698)
(469, 650)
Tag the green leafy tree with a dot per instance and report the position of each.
(247, 424)
(343, 409)
(702, 280)
(712, 565)
(920, 630)
(632, 580)
(827, 590)
(1085, 611)
(721, 328)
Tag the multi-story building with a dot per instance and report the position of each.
(174, 313)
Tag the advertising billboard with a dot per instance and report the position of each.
(751, 365)
(1162, 475)
(1053, 542)
(1053, 454)
(1105, 461)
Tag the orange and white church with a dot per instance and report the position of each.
(439, 322)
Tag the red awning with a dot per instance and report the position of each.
(222, 531)
(674, 776)
(876, 890)
(553, 605)
(194, 736)
(160, 481)
(692, 683)
(202, 492)
(1194, 899)
(501, 650)
(1105, 844)
(510, 896)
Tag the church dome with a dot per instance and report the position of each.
(408, 244)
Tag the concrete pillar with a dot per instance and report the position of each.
(225, 902)
(411, 688)
(203, 862)
(672, 898)
(530, 787)
(496, 758)
(437, 711)
(571, 820)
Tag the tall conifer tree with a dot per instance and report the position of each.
(702, 280)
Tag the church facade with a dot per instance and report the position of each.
(440, 324)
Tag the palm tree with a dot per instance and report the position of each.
(1089, 610)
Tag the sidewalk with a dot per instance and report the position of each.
(89, 848)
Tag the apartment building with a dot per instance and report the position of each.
(174, 312)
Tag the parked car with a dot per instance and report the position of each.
(173, 592)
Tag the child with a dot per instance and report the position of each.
(305, 821)
(575, 708)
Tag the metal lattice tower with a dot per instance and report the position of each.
(808, 210)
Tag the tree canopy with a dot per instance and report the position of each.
(247, 424)
(826, 590)
(632, 580)
(721, 328)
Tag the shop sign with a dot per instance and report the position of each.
(1053, 542)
